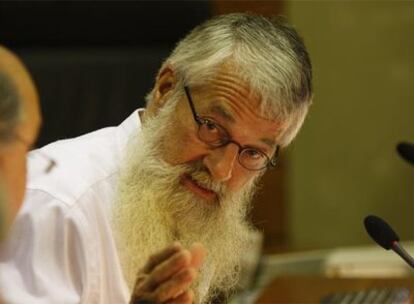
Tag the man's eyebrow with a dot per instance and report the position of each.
(220, 110)
(269, 142)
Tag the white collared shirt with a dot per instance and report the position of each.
(61, 248)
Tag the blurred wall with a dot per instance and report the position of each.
(343, 165)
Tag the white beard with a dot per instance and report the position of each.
(153, 209)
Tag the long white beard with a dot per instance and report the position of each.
(153, 209)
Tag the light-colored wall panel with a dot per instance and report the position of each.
(343, 165)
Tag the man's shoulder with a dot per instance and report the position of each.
(80, 163)
(84, 163)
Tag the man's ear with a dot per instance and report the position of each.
(165, 83)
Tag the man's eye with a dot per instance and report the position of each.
(211, 133)
(211, 126)
(253, 154)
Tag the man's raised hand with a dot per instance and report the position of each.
(167, 276)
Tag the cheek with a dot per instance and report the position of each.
(181, 145)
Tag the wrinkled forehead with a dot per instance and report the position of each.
(227, 92)
(237, 113)
(227, 80)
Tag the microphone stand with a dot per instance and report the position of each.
(398, 249)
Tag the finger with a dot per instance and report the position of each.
(185, 298)
(176, 285)
(158, 258)
(137, 301)
(198, 252)
(167, 269)
(138, 282)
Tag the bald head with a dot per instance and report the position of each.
(18, 96)
(19, 125)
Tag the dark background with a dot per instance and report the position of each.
(94, 61)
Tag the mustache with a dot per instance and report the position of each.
(200, 174)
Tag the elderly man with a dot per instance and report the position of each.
(19, 125)
(156, 206)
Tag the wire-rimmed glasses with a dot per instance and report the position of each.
(216, 136)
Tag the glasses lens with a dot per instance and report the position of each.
(212, 133)
(253, 159)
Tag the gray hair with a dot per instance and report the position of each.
(267, 53)
(10, 108)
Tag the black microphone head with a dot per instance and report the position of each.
(380, 231)
(406, 151)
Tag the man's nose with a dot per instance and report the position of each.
(220, 162)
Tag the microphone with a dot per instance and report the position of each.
(406, 151)
(385, 236)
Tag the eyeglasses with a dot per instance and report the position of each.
(50, 162)
(216, 136)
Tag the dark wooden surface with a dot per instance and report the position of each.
(312, 289)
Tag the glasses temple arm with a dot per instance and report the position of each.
(190, 101)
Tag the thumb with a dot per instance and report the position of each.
(198, 253)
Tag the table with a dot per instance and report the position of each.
(311, 289)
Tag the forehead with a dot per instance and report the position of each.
(228, 99)
(228, 90)
(228, 85)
